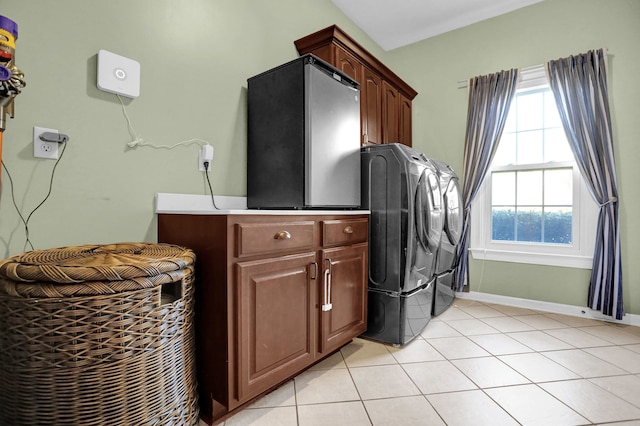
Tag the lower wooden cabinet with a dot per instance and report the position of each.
(274, 295)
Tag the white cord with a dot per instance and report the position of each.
(139, 141)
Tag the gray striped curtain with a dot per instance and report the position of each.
(579, 85)
(490, 97)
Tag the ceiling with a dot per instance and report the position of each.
(397, 23)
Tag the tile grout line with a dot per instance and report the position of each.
(541, 351)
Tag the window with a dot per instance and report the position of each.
(533, 206)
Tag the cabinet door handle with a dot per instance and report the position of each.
(326, 306)
(348, 229)
(315, 270)
(282, 235)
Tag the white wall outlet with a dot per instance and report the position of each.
(205, 156)
(42, 149)
(117, 74)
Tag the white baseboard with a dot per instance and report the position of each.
(556, 308)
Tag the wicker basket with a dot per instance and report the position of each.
(98, 335)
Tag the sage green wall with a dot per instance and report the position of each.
(196, 56)
(530, 36)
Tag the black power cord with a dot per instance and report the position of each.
(206, 173)
(13, 198)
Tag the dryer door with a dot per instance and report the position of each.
(428, 211)
(453, 212)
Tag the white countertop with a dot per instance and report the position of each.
(201, 204)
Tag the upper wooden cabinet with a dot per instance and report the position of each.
(385, 99)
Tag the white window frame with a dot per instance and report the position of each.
(578, 254)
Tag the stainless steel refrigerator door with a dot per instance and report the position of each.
(332, 152)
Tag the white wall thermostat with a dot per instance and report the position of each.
(117, 74)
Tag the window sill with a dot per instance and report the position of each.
(567, 261)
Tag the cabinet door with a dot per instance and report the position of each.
(276, 320)
(371, 107)
(348, 64)
(390, 113)
(343, 295)
(405, 120)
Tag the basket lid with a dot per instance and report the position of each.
(112, 262)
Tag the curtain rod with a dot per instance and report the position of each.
(522, 70)
(529, 68)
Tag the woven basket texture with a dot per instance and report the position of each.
(116, 349)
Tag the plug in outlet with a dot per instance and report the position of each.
(205, 156)
(42, 149)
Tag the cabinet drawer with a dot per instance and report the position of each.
(268, 238)
(344, 231)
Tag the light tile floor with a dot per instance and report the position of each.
(475, 364)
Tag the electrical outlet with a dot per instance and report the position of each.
(201, 166)
(205, 154)
(42, 149)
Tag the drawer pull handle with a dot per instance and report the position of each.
(348, 229)
(282, 235)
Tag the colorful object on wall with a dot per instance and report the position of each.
(11, 78)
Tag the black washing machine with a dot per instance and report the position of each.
(447, 259)
(401, 188)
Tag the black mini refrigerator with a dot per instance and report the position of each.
(400, 187)
(303, 146)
